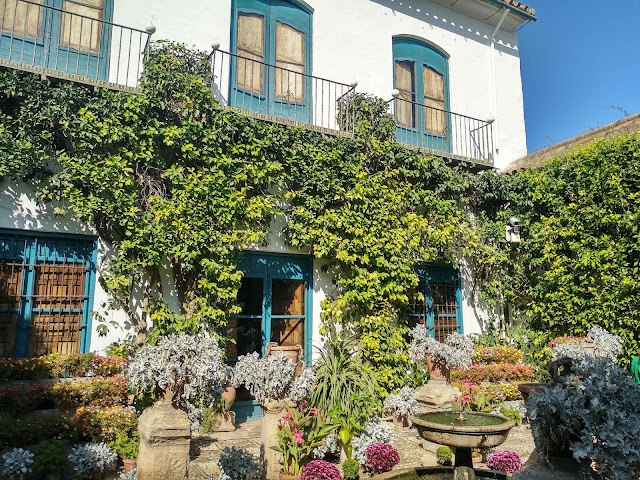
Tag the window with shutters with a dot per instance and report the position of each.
(82, 30)
(46, 291)
(439, 304)
(270, 73)
(421, 78)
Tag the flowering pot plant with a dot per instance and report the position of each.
(455, 352)
(381, 457)
(504, 461)
(319, 470)
(402, 404)
(298, 435)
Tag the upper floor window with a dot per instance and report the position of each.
(421, 76)
(63, 35)
(272, 41)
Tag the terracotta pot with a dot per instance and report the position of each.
(527, 389)
(437, 369)
(229, 396)
(128, 464)
(294, 352)
(286, 476)
(403, 421)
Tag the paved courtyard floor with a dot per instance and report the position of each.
(414, 452)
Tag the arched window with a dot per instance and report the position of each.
(421, 75)
(272, 41)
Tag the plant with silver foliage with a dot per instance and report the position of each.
(190, 367)
(302, 385)
(608, 345)
(239, 464)
(268, 379)
(374, 431)
(88, 458)
(565, 351)
(130, 475)
(330, 445)
(17, 463)
(594, 412)
(402, 404)
(455, 352)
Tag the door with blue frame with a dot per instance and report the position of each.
(275, 300)
(65, 35)
(440, 309)
(46, 293)
(270, 75)
(421, 75)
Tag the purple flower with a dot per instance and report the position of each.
(504, 461)
(319, 470)
(381, 457)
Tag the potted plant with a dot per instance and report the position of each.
(319, 470)
(402, 405)
(126, 446)
(50, 460)
(381, 457)
(298, 435)
(92, 459)
(17, 463)
(440, 358)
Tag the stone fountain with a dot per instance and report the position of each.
(464, 432)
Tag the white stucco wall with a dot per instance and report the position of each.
(352, 40)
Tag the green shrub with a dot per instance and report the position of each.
(50, 457)
(126, 444)
(351, 469)
(444, 456)
(511, 413)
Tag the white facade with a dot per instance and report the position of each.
(352, 41)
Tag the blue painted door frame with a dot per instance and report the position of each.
(32, 248)
(420, 53)
(273, 11)
(431, 274)
(269, 267)
(46, 50)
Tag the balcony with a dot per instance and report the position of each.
(440, 132)
(281, 95)
(74, 44)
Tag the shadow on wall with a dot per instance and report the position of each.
(476, 312)
(436, 15)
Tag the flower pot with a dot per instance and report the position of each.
(294, 352)
(527, 389)
(128, 464)
(402, 421)
(437, 368)
(286, 476)
(229, 396)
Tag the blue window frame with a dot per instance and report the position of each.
(276, 301)
(441, 309)
(46, 293)
(64, 35)
(421, 75)
(271, 73)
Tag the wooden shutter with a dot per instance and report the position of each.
(445, 309)
(434, 101)
(250, 45)
(82, 30)
(58, 305)
(289, 63)
(21, 18)
(10, 286)
(405, 83)
(288, 299)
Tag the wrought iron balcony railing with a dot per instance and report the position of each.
(443, 132)
(282, 95)
(73, 43)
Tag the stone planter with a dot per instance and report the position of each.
(272, 412)
(437, 369)
(527, 389)
(229, 396)
(165, 437)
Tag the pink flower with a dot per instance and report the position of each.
(288, 417)
(297, 435)
(314, 411)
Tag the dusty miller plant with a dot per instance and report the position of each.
(17, 463)
(188, 367)
(239, 464)
(91, 457)
(608, 345)
(330, 445)
(593, 412)
(455, 352)
(272, 378)
(130, 475)
(374, 431)
(403, 403)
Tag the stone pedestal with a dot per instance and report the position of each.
(165, 438)
(272, 412)
(225, 422)
(436, 395)
(536, 468)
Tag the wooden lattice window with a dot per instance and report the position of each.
(250, 47)
(82, 26)
(22, 18)
(406, 85)
(44, 294)
(434, 101)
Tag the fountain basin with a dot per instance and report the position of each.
(481, 430)
(435, 473)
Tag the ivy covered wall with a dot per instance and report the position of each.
(167, 177)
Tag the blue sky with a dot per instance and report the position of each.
(578, 59)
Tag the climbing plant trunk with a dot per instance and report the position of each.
(272, 412)
(165, 438)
